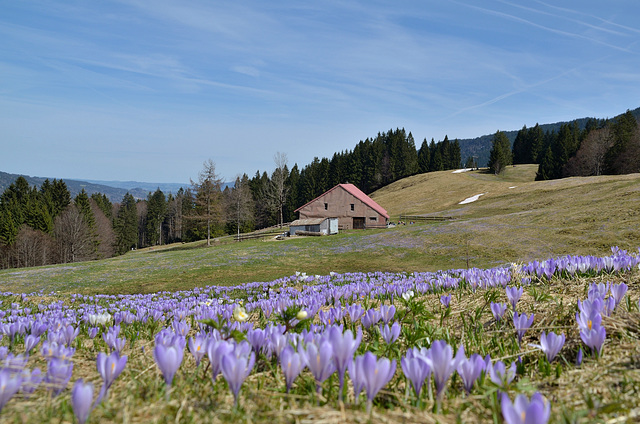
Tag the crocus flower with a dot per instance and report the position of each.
(618, 291)
(387, 312)
(344, 347)
(579, 357)
(197, 347)
(498, 310)
(168, 358)
(235, 370)
(355, 311)
(216, 350)
(371, 317)
(522, 324)
(445, 300)
(375, 374)
(109, 368)
(319, 360)
(357, 377)
(594, 338)
(81, 399)
(390, 335)
(523, 411)
(30, 341)
(470, 370)
(239, 314)
(513, 294)
(58, 375)
(551, 344)
(501, 375)
(30, 381)
(416, 369)
(292, 365)
(443, 364)
(9, 386)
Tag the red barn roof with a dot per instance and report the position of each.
(357, 193)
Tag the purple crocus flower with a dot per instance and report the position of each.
(594, 337)
(109, 368)
(522, 323)
(443, 364)
(58, 375)
(197, 347)
(344, 347)
(390, 335)
(9, 386)
(469, 370)
(357, 377)
(618, 291)
(501, 375)
(523, 411)
(30, 381)
(416, 369)
(292, 365)
(355, 311)
(93, 332)
(257, 338)
(81, 399)
(513, 294)
(498, 310)
(319, 360)
(387, 312)
(445, 300)
(371, 317)
(168, 358)
(216, 350)
(579, 357)
(375, 374)
(30, 341)
(551, 344)
(235, 370)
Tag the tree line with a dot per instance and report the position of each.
(603, 146)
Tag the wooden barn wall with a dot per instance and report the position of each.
(339, 205)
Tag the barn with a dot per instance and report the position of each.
(320, 226)
(353, 208)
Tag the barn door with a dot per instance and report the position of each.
(358, 223)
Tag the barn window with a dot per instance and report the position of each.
(373, 218)
(326, 206)
(353, 207)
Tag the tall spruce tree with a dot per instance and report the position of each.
(500, 156)
(126, 225)
(156, 212)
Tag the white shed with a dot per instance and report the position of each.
(319, 226)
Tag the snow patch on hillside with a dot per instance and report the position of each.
(471, 199)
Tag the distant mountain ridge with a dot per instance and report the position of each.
(114, 190)
(480, 147)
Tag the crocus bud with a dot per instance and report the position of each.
(302, 314)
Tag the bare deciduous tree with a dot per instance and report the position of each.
(276, 191)
(72, 236)
(240, 203)
(590, 157)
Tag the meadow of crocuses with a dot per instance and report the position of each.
(548, 341)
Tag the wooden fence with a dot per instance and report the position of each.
(420, 218)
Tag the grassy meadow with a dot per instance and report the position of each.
(517, 219)
(404, 293)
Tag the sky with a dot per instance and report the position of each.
(149, 90)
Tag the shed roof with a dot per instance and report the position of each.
(308, 221)
(357, 193)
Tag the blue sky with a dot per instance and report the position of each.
(149, 90)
